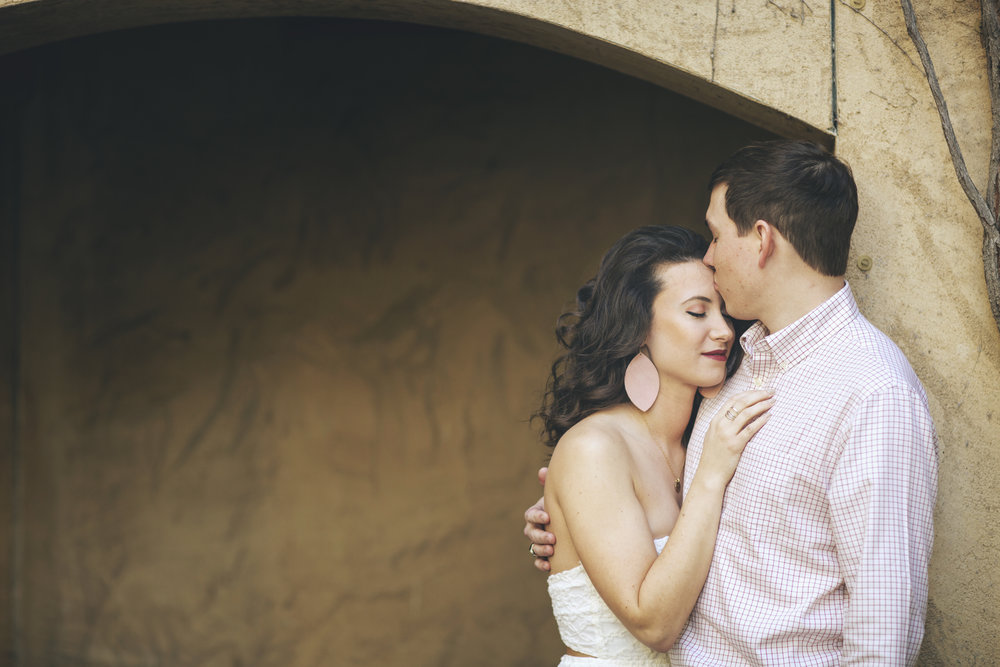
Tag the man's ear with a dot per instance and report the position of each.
(766, 233)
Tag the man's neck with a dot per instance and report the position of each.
(797, 297)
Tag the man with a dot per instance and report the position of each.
(826, 529)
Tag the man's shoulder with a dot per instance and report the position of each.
(865, 353)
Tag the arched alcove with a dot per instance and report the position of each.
(284, 295)
(27, 24)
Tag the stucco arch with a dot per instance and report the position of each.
(25, 24)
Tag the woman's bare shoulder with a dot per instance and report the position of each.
(596, 439)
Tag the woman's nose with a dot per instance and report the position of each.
(722, 331)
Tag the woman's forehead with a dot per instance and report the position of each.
(687, 280)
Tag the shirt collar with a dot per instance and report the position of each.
(794, 342)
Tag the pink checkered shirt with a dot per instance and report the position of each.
(826, 527)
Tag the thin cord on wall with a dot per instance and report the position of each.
(715, 39)
(833, 67)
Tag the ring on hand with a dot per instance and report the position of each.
(531, 550)
(731, 414)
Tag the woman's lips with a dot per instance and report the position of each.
(718, 355)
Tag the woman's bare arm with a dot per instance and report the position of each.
(591, 482)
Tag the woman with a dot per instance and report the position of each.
(649, 331)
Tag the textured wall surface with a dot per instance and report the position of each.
(925, 287)
(287, 303)
(726, 55)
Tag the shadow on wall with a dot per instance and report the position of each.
(287, 295)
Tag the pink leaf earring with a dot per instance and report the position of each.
(642, 381)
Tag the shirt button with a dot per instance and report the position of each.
(758, 382)
(783, 366)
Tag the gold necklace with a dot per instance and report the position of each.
(677, 479)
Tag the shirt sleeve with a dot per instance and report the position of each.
(882, 503)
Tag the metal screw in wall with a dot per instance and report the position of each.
(858, 4)
(865, 263)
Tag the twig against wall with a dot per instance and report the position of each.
(986, 207)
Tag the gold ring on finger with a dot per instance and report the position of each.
(731, 414)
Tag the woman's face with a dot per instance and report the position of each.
(690, 338)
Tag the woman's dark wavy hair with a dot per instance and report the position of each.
(614, 311)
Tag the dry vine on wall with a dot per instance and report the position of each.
(987, 207)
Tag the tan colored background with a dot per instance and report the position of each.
(287, 298)
(281, 295)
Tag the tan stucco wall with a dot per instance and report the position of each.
(952, 339)
(925, 289)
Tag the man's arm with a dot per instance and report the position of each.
(535, 521)
(882, 504)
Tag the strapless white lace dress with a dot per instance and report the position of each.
(586, 625)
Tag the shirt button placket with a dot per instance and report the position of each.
(759, 363)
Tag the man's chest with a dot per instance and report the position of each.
(783, 477)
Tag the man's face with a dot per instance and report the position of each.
(733, 257)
